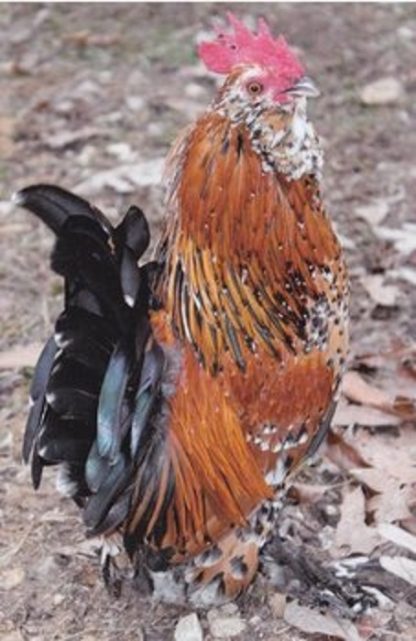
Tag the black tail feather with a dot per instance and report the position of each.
(147, 395)
(133, 236)
(84, 258)
(54, 206)
(37, 396)
(112, 399)
(97, 386)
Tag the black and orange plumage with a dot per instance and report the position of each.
(179, 395)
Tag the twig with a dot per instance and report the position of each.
(10, 553)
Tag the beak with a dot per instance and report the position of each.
(305, 87)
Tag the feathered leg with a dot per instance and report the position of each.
(223, 571)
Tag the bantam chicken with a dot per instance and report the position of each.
(178, 396)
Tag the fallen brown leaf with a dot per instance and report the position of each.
(356, 389)
(352, 534)
(374, 213)
(387, 468)
(391, 503)
(343, 454)
(394, 455)
(401, 566)
(313, 622)
(125, 178)
(404, 238)
(308, 493)
(398, 536)
(351, 414)
(67, 138)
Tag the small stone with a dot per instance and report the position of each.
(380, 293)
(188, 628)
(58, 599)
(112, 118)
(11, 578)
(135, 103)
(331, 510)
(64, 107)
(122, 151)
(6, 207)
(384, 91)
(44, 567)
(228, 609)
(277, 603)
(86, 87)
(155, 129)
(255, 621)
(193, 90)
(374, 213)
(105, 76)
(406, 33)
(86, 156)
(222, 627)
(147, 172)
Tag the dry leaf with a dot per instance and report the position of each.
(401, 357)
(125, 178)
(344, 455)
(313, 622)
(352, 533)
(393, 502)
(398, 536)
(20, 356)
(394, 455)
(308, 492)
(374, 213)
(404, 239)
(380, 293)
(67, 138)
(356, 389)
(409, 525)
(407, 274)
(349, 414)
(401, 566)
(389, 471)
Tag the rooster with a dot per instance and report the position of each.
(178, 396)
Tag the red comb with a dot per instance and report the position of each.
(243, 46)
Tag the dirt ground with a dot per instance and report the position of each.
(91, 98)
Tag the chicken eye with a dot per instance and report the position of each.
(254, 88)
